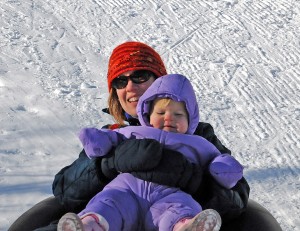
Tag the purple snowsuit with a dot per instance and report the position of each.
(129, 203)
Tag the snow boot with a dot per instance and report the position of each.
(207, 220)
(87, 222)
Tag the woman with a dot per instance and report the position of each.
(168, 112)
(133, 67)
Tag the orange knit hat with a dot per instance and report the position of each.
(131, 56)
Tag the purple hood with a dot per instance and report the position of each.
(174, 86)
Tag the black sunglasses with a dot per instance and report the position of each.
(136, 77)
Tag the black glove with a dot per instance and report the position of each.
(132, 155)
(146, 159)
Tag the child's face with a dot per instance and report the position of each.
(172, 117)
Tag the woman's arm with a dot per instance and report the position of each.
(87, 175)
(230, 203)
(148, 160)
(76, 184)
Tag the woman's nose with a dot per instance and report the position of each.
(130, 85)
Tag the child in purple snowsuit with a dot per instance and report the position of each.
(129, 203)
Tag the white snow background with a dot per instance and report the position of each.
(242, 57)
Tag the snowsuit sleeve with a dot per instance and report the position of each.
(148, 160)
(225, 169)
(98, 142)
(195, 148)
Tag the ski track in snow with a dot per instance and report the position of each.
(241, 56)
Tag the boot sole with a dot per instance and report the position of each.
(207, 220)
(70, 222)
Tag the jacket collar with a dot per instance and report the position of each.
(131, 120)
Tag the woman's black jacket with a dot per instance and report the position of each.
(77, 183)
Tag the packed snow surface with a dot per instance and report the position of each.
(242, 57)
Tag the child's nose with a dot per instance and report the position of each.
(168, 117)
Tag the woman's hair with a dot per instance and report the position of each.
(115, 108)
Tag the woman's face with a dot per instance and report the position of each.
(130, 95)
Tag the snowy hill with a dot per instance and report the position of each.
(242, 57)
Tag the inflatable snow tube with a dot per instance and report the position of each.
(256, 218)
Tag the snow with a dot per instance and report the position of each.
(242, 57)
